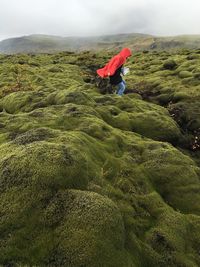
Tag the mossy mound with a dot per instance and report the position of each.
(16, 101)
(170, 64)
(39, 175)
(88, 227)
(185, 74)
(138, 116)
(176, 89)
(44, 163)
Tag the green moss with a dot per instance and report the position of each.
(190, 81)
(39, 157)
(180, 96)
(193, 56)
(92, 180)
(185, 74)
(88, 244)
(146, 119)
(186, 181)
(170, 64)
(13, 102)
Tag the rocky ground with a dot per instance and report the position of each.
(88, 178)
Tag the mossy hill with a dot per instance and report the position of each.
(92, 179)
(38, 43)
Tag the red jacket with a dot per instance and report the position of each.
(115, 62)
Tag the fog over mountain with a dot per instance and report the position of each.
(87, 18)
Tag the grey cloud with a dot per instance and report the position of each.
(89, 17)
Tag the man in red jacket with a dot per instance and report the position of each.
(114, 68)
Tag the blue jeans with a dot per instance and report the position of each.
(121, 88)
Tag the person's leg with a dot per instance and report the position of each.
(121, 88)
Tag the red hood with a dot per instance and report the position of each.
(115, 62)
(126, 52)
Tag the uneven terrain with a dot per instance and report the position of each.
(91, 179)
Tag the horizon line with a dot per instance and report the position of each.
(101, 35)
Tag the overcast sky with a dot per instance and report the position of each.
(98, 17)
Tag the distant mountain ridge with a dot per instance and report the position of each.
(39, 43)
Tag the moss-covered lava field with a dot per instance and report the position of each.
(92, 179)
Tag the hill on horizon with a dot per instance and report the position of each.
(39, 43)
